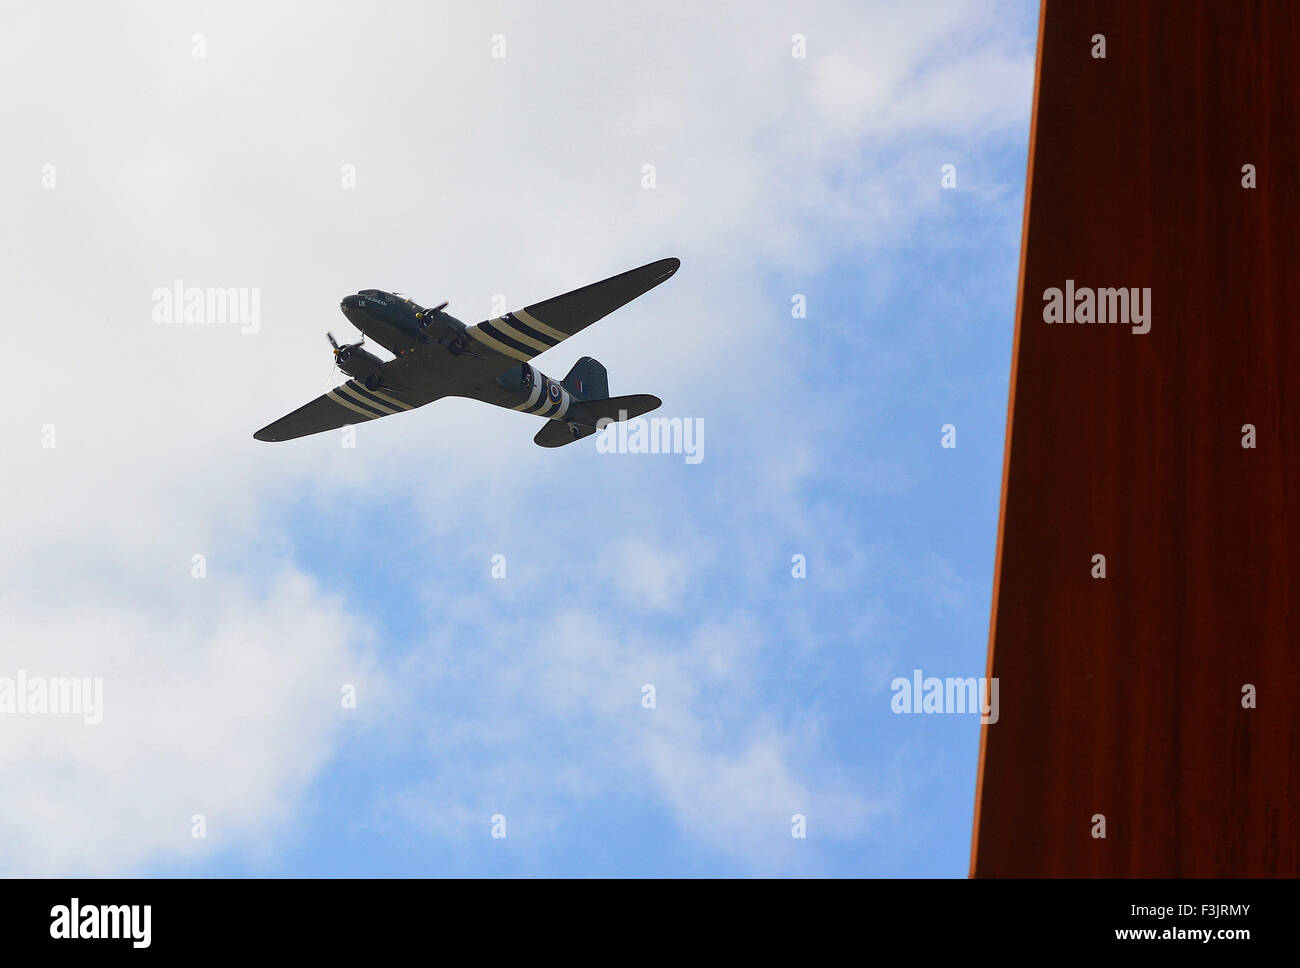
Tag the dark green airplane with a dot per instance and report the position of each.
(436, 355)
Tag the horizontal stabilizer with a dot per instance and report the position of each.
(583, 417)
(557, 433)
(614, 408)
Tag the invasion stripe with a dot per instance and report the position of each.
(532, 397)
(517, 336)
(544, 404)
(502, 348)
(499, 333)
(360, 401)
(524, 316)
(391, 401)
(527, 332)
(373, 398)
(338, 398)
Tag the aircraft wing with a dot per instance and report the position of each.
(350, 403)
(521, 335)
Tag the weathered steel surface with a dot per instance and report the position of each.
(1122, 696)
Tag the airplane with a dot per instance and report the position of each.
(435, 355)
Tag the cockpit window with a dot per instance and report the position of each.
(391, 299)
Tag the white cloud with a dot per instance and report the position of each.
(562, 699)
(475, 177)
(215, 702)
(651, 576)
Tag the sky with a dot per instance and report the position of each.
(308, 667)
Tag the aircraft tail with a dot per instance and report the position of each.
(585, 414)
(588, 380)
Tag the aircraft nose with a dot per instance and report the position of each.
(349, 302)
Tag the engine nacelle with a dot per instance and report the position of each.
(443, 328)
(359, 364)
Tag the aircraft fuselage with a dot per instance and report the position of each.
(435, 355)
(437, 339)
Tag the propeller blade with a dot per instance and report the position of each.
(333, 342)
(424, 315)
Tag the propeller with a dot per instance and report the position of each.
(426, 314)
(341, 351)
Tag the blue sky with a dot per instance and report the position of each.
(370, 566)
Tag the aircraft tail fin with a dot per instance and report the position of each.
(584, 415)
(588, 380)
